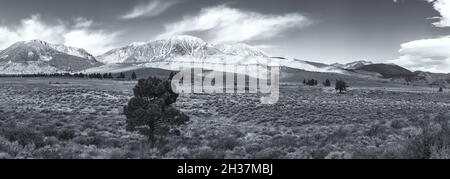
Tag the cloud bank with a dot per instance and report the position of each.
(426, 55)
(150, 9)
(429, 54)
(443, 7)
(78, 34)
(225, 24)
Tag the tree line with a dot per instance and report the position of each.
(340, 86)
(101, 76)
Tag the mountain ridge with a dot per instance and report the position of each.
(37, 56)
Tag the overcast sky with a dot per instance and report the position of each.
(412, 33)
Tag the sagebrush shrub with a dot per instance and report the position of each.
(66, 134)
(24, 136)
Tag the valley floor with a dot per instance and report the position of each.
(67, 118)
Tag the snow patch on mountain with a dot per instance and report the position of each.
(187, 51)
(38, 56)
(241, 49)
(42, 45)
(353, 65)
(156, 51)
(77, 52)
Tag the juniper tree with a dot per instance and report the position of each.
(150, 111)
(312, 82)
(121, 76)
(327, 83)
(341, 86)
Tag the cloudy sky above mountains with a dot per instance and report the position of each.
(413, 33)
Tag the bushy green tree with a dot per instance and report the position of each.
(150, 111)
(341, 86)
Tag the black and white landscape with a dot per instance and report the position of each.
(358, 79)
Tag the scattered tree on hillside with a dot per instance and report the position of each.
(341, 86)
(327, 83)
(441, 89)
(121, 76)
(304, 81)
(133, 76)
(150, 111)
(78, 75)
(312, 82)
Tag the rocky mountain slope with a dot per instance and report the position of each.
(35, 56)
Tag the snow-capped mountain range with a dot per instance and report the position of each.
(36, 56)
(77, 52)
(180, 51)
(353, 65)
(30, 57)
(174, 48)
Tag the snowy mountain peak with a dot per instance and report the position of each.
(78, 52)
(32, 44)
(185, 39)
(156, 51)
(137, 44)
(37, 56)
(241, 49)
(173, 39)
(176, 47)
(35, 41)
(353, 65)
(43, 45)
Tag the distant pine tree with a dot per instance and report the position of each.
(312, 82)
(327, 83)
(341, 86)
(441, 89)
(133, 76)
(121, 76)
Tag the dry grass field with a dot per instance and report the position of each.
(70, 118)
